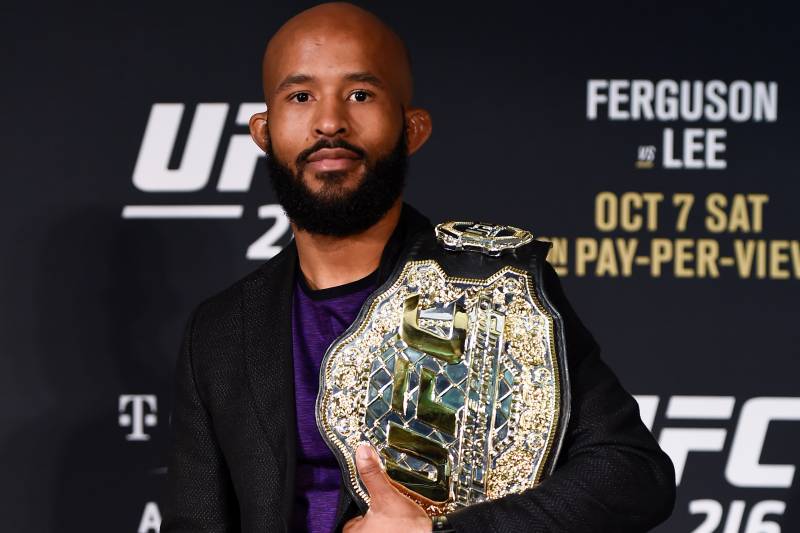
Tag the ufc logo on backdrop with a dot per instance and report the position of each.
(137, 412)
(152, 172)
(681, 436)
(202, 146)
(743, 467)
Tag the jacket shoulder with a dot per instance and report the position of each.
(217, 322)
(227, 303)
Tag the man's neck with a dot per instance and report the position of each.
(327, 261)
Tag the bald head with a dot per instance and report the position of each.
(339, 122)
(358, 39)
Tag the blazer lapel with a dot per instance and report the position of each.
(267, 321)
(267, 305)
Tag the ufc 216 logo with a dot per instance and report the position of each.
(204, 141)
(692, 426)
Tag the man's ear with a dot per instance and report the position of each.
(418, 128)
(258, 130)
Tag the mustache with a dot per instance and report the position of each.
(324, 143)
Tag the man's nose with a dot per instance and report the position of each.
(331, 119)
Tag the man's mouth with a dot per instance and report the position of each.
(332, 159)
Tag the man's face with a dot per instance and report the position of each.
(337, 128)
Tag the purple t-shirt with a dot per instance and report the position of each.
(318, 317)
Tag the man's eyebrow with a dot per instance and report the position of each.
(297, 79)
(293, 79)
(364, 77)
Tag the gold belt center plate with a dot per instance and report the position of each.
(454, 381)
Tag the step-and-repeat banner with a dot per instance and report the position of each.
(657, 148)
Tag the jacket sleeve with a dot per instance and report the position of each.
(199, 493)
(611, 475)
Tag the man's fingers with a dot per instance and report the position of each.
(372, 474)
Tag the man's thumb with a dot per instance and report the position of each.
(371, 473)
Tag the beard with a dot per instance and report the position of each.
(334, 211)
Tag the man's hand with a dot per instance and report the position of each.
(389, 510)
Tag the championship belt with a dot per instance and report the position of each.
(454, 370)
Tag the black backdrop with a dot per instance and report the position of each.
(95, 294)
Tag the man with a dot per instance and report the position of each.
(247, 453)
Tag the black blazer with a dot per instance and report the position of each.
(232, 460)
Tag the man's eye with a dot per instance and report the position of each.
(360, 96)
(300, 97)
